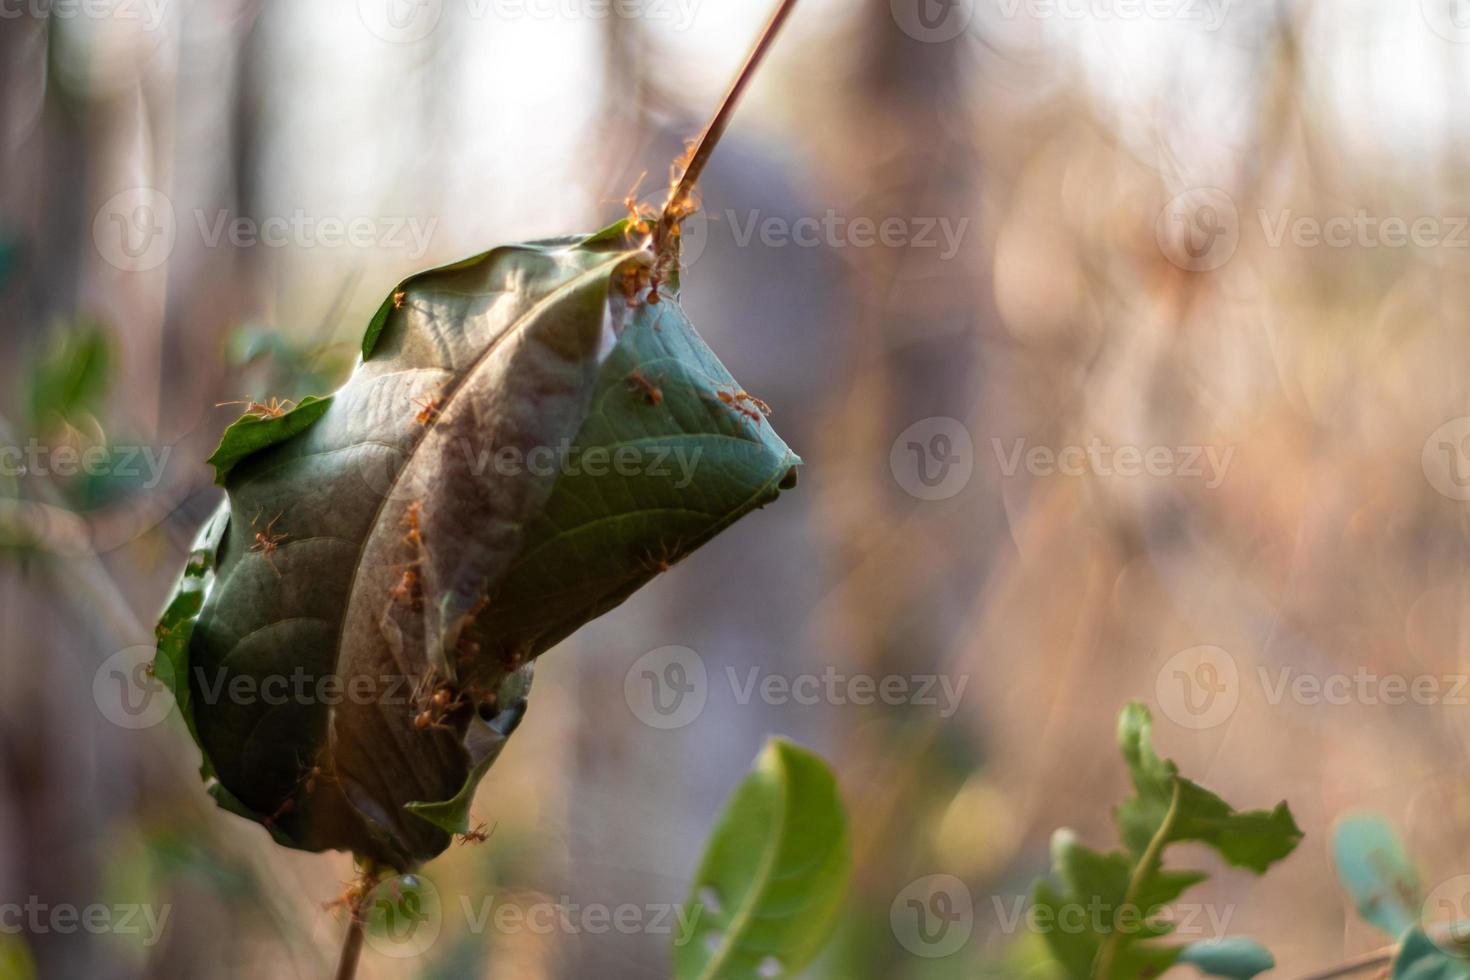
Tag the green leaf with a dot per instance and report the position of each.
(1253, 840)
(486, 739)
(70, 376)
(1103, 913)
(252, 433)
(1377, 872)
(772, 881)
(176, 626)
(15, 958)
(1237, 959)
(1420, 959)
(527, 441)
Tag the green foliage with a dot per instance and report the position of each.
(1420, 958)
(1377, 872)
(15, 959)
(290, 368)
(1121, 895)
(253, 432)
(774, 873)
(68, 377)
(382, 535)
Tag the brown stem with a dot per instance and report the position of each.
(681, 193)
(357, 919)
(351, 949)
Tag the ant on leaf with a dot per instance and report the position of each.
(477, 836)
(272, 409)
(267, 541)
(651, 393)
(430, 409)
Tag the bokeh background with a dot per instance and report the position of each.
(1228, 240)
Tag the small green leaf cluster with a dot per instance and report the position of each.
(1127, 893)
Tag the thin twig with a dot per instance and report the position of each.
(683, 191)
(1379, 957)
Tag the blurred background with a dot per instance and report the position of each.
(1124, 342)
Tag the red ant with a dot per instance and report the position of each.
(398, 298)
(307, 782)
(651, 392)
(477, 836)
(638, 214)
(667, 557)
(407, 588)
(352, 897)
(431, 407)
(737, 400)
(410, 520)
(272, 409)
(440, 702)
(267, 541)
